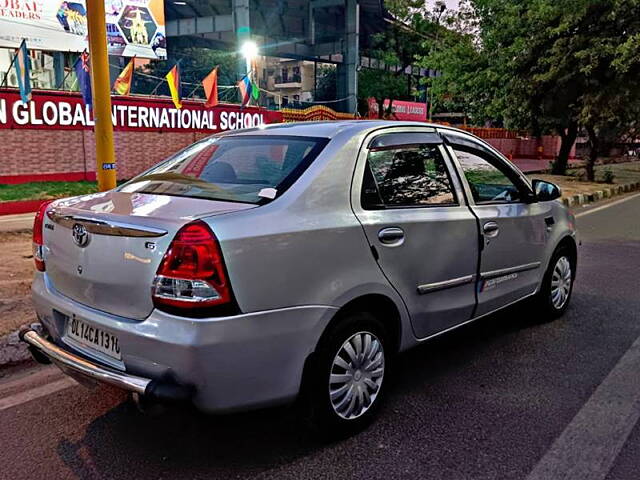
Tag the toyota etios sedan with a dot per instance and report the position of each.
(258, 265)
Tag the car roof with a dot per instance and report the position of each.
(329, 129)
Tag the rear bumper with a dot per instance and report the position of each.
(227, 363)
(79, 365)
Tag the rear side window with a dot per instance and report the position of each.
(406, 176)
(235, 168)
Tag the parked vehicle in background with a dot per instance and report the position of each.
(259, 264)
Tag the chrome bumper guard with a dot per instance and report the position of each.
(66, 360)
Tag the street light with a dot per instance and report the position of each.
(249, 51)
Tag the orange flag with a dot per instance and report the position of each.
(122, 85)
(210, 84)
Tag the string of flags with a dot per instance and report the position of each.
(247, 87)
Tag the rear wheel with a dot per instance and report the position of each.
(349, 375)
(557, 285)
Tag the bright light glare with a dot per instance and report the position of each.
(249, 50)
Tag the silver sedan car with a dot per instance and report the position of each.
(293, 261)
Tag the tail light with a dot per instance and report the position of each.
(38, 240)
(192, 273)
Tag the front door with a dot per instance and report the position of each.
(513, 226)
(424, 236)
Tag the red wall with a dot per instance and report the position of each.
(528, 147)
(39, 155)
(38, 143)
(28, 155)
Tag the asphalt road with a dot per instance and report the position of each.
(504, 398)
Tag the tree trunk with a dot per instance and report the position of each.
(389, 110)
(568, 138)
(380, 102)
(594, 144)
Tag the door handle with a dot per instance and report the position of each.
(392, 236)
(491, 229)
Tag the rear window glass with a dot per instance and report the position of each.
(236, 168)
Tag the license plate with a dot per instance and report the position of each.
(93, 337)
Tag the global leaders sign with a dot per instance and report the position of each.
(401, 110)
(134, 27)
(66, 111)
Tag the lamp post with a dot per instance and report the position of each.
(249, 51)
(441, 6)
(105, 151)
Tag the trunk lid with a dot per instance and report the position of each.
(103, 250)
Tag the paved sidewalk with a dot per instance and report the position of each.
(532, 165)
(14, 223)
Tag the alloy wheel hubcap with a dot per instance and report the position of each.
(561, 283)
(356, 375)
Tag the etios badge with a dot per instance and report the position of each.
(80, 235)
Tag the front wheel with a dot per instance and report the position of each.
(557, 285)
(349, 375)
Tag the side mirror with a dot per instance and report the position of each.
(546, 191)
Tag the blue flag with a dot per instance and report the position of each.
(82, 68)
(22, 65)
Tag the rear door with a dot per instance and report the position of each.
(423, 235)
(513, 225)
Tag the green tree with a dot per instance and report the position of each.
(380, 85)
(326, 83)
(545, 65)
(398, 47)
(610, 64)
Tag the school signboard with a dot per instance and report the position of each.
(66, 111)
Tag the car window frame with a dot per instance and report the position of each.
(477, 147)
(435, 140)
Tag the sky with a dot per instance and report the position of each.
(451, 4)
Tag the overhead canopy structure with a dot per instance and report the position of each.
(317, 30)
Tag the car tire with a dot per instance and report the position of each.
(557, 285)
(348, 376)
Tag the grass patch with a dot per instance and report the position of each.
(45, 190)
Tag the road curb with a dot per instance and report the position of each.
(609, 192)
(20, 206)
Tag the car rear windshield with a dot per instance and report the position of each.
(248, 169)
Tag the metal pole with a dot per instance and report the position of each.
(105, 151)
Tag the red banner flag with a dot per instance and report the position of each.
(122, 85)
(210, 84)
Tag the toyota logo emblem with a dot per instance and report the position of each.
(80, 235)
